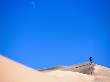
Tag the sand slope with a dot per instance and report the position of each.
(11, 71)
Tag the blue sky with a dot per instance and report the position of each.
(45, 33)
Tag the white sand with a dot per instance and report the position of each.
(11, 71)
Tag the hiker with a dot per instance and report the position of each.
(90, 59)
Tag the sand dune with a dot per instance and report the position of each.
(11, 71)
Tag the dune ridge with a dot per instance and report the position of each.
(11, 71)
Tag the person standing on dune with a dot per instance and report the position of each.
(91, 65)
(90, 59)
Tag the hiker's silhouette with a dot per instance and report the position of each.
(90, 59)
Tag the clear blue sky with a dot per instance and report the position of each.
(45, 33)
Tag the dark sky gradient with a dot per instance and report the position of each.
(45, 33)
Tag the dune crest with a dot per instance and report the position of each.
(11, 71)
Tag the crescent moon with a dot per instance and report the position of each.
(33, 4)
